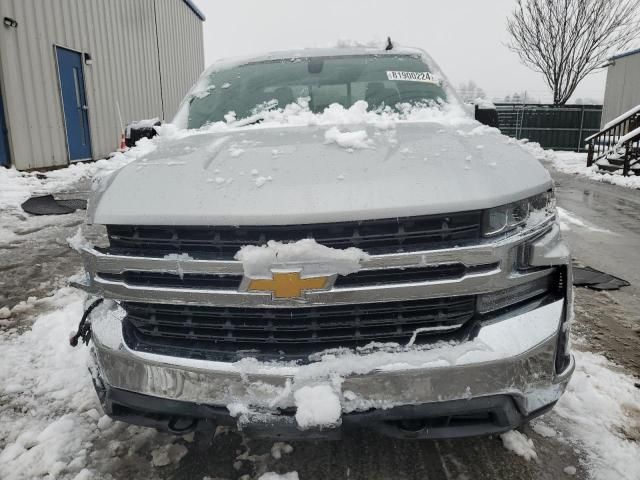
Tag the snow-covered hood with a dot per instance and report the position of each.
(311, 174)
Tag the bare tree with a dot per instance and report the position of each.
(470, 91)
(565, 40)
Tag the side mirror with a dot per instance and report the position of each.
(140, 129)
(487, 113)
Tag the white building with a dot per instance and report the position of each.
(622, 92)
(65, 65)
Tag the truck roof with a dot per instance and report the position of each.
(226, 63)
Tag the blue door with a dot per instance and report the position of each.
(4, 143)
(74, 104)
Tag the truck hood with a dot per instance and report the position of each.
(312, 174)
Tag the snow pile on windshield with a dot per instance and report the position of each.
(257, 261)
(299, 114)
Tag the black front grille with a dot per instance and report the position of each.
(172, 280)
(374, 236)
(386, 276)
(218, 333)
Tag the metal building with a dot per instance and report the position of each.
(65, 65)
(622, 91)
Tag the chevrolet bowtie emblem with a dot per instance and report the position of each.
(288, 285)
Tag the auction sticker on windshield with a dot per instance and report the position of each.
(425, 77)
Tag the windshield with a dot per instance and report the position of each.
(245, 91)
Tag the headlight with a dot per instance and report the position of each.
(528, 212)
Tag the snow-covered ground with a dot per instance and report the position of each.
(50, 421)
(51, 425)
(576, 163)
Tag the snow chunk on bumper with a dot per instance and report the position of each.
(317, 406)
(257, 261)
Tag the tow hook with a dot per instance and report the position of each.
(190, 427)
(84, 327)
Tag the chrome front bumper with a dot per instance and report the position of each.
(512, 356)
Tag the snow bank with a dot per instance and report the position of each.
(50, 426)
(41, 373)
(601, 411)
(257, 261)
(16, 187)
(519, 444)
(576, 163)
(317, 405)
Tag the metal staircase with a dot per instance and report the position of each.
(616, 148)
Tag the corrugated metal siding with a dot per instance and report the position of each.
(622, 91)
(181, 56)
(120, 36)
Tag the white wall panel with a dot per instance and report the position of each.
(622, 90)
(120, 36)
(181, 56)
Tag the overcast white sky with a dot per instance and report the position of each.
(466, 37)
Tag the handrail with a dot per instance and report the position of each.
(631, 151)
(615, 136)
(621, 118)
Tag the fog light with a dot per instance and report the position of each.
(490, 302)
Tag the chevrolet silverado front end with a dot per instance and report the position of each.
(454, 321)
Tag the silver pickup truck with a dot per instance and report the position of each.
(455, 321)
